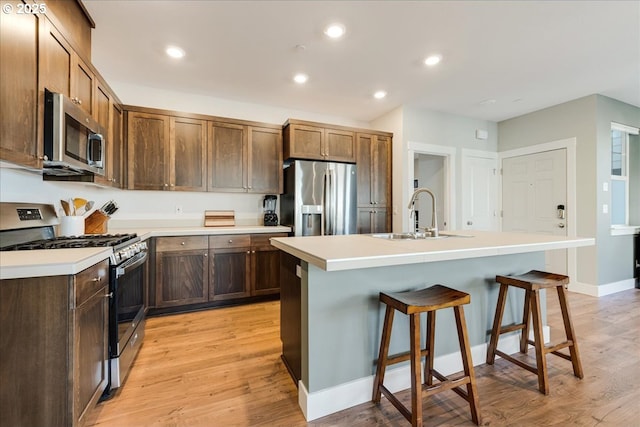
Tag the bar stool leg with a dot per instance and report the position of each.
(526, 314)
(571, 336)
(430, 345)
(384, 352)
(497, 324)
(465, 350)
(541, 358)
(416, 377)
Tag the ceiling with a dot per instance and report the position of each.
(501, 59)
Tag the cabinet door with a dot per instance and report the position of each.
(265, 160)
(304, 142)
(181, 277)
(381, 171)
(364, 161)
(340, 145)
(116, 145)
(19, 88)
(148, 146)
(56, 60)
(373, 220)
(227, 157)
(229, 272)
(188, 154)
(102, 114)
(90, 352)
(82, 81)
(265, 265)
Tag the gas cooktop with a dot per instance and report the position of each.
(84, 241)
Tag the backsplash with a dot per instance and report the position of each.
(137, 208)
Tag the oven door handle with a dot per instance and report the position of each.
(131, 263)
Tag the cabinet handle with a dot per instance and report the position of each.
(206, 254)
(166, 185)
(79, 101)
(97, 279)
(173, 185)
(109, 295)
(253, 252)
(182, 243)
(230, 241)
(248, 252)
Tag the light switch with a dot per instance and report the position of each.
(605, 186)
(605, 208)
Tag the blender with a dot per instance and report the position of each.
(269, 206)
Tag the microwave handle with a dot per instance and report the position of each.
(91, 160)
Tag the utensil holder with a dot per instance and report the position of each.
(71, 226)
(96, 223)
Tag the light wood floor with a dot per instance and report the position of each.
(222, 368)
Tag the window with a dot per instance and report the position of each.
(620, 173)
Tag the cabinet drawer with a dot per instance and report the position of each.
(230, 241)
(164, 244)
(89, 281)
(261, 241)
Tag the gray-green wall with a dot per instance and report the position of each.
(588, 120)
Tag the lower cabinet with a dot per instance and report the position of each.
(182, 265)
(54, 362)
(205, 269)
(373, 220)
(230, 266)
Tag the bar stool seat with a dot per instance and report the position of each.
(413, 303)
(532, 282)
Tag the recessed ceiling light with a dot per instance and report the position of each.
(433, 60)
(335, 31)
(175, 52)
(380, 94)
(300, 78)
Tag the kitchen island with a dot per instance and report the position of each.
(331, 319)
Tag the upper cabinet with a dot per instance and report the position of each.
(51, 50)
(315, 141)
(19, 88)
(165, 152)
(374, 182)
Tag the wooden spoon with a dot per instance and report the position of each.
(66, 207)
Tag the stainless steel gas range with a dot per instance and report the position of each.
(30, 226)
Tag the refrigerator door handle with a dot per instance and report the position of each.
(324, 204)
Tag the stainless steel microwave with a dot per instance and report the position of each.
(74, 142)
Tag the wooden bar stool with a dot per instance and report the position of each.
(532, 282)
(412, 304)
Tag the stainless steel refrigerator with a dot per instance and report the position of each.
(319, 198)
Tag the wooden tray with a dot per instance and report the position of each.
(219, 218)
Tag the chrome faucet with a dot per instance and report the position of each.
(433, 230)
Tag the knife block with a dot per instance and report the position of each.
(96, 223)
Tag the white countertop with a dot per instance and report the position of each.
(49, 262)
(334, 253)
(55, 262)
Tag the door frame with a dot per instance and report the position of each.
(449, 155)
(569, 145)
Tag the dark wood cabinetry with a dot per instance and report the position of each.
(210, 269)
(315, 141)
(19, 88)
(373, 152)
(54, 360)
(165, 152)
(182, 265)
(230, 267)
(244, 158)
(265, 265)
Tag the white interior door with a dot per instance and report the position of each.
(533, 188)
(480, 192)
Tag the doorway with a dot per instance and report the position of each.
(429, 172)
(534, 195)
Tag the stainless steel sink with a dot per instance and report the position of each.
(406, 236)
(416, 236)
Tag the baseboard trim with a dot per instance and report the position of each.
(602, 290)
(330, 400)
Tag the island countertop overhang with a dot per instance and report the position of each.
(347, 252)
